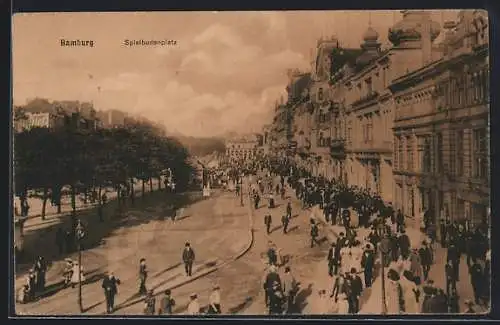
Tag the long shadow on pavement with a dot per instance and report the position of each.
(301, 298)
(36, 242)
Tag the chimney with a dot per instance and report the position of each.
(426, 40)
(109, 117)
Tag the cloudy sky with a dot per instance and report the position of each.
(224, 73)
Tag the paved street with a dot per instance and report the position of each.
(295, 246)
(217, 229)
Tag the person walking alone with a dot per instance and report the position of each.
(214, 306)
(314, 233)
(143, 274)
(285, 221)
(188, 257)
(110, 286)
(268, 221)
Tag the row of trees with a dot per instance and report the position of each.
(85, 159)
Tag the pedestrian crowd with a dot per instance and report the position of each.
(407, 261)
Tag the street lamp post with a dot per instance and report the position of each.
(241, 190)
(80, 233)
(384, 250)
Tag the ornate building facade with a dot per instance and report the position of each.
(243, 148)
(409, 123)
(441, 127)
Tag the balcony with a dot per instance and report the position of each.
(337, 148)
(337, 144)
(365, 99)
(371, 146)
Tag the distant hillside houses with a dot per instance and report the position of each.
(40, 112)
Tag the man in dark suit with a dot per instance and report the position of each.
(367, 262)
(268, 221)
(289, 209)
(110, 286)
(271, 278)
(188, 259)
(404, 244)
(356, 290)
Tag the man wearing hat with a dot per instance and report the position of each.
(367, 263)
(285, 221)
(429, 294)
(276, 299)
(110, 285)
(143, 274)
(272, 256)
(356, 290)
(271, 277)
(214, 306)
(167, 302)
(404, 244)
(194, 305)
(333, 259)
(341, 241)
(314, 232)
(188, 258)
(149, 303)
(268, 220)
(425, 259)
(289, 289)
(453, 256)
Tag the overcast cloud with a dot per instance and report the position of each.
(224, 74)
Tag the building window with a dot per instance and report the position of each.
(411, 196)
(401, 153)
(369, 129)
(369, 86)
(480, 154)
(459, 150)
(396, 153)
(320, 94)
(460, 212)
(409, 153)
(439, 152)
(425, 154)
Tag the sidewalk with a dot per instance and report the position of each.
(34, 220)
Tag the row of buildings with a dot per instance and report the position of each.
(59, 113)
(410, 122)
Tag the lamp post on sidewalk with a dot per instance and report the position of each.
(384, 250)
(80, 234)
(241, 189)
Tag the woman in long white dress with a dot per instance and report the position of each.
(74, 277)
(345, 259)
(394, 293)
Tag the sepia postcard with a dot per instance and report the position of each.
(251, 163)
